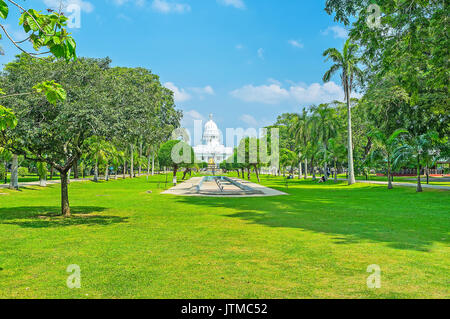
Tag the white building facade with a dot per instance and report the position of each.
(212, 151)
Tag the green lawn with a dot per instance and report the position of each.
(317, 242)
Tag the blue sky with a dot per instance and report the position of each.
(246, 61)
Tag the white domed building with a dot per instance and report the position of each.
(212, 151)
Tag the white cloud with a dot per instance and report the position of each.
(302, 94)
(261, 53)
(249, 120)
(164, 6)
(183, 95)
(207, 90)
(85, 6)
(190, 116)
(338, 32)
(180, 95)
(239, 4)
(239, 47)
(267, 94)
(296, 44)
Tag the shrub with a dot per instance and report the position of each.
(2, 172)
(23, 171)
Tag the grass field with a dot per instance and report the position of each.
(315, 243)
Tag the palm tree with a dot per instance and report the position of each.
(324, 125)
(336, 152)
(347, 63)
(415, 150)
(98, 151)
(386, 145)
(300, 129)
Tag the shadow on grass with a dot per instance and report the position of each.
(50, 216)
(400, 218)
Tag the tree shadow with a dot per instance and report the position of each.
(50, 216)
(400, 218)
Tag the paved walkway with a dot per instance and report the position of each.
(55, 181)
(401, 184)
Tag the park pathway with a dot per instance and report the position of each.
(402, 184)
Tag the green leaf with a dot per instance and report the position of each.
(4, 10)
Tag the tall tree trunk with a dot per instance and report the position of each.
(140, 156)
(96, 171)
(6, 172)
(351, 169)
(65, 207)
(419, 184)
(238, 173)
(153, 162)
(300, 173)
(335, 172)
(306, 168)
(131, 160)
(428, 175)
(148, 165)
(257, 174)
(248, 173)
(107, 172)
(325, 166)
(14, 181)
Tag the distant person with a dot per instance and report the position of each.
(321, 180)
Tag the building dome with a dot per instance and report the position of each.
(211, 134)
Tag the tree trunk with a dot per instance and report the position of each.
(6, 172)
(65, 207)
(96, 171)
(148, 165)
(153, 162)
(14, 182)
(243, 173)
(325, 166)
(174, 179)
(300, 173)
(124, 169)
(248, 173)
(419, 184)
(335, 172)
(43, 181)
(76, 174)
(238, 173)
(306, 168)
(428, 175)
(107, 172)
(140, 156)
(389, 176)
(257, 174)
(351, 170)
(131, 161)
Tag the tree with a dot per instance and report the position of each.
(336, 152)
(387, 146)
(50, 133)
(347, 63)
(176, 154)
(43, 30)
(324, 125)
(414, 151)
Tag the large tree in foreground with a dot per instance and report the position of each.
(345, 62)
(55, 133)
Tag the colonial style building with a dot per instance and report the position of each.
(212, 151)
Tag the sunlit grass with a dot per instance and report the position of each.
(315, 243)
